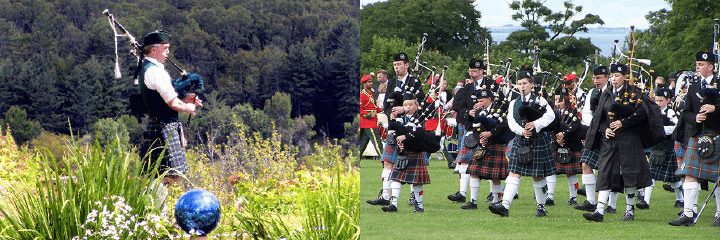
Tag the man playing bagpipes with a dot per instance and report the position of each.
(531, 152)
(624, 124)
(662, 156)
(702, 125)
(394, 105)
(489, 136)
(568, 143)
(413, 143)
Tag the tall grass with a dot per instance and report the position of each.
(59, 205)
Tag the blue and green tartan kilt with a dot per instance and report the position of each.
(699, 167)
(590, 157)
(464, 155)
(666, 171)
(390, 154)
(543, 164)
(573, 167)
(679, 150)
(159, 136)
(415, 173)
(493, 166)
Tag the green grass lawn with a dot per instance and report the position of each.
(444, 219)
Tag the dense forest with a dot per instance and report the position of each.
(57, 58)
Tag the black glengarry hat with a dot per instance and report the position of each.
(400, 57)
(619, 68)
(705, 56)
(664, 92)
(155, 37)
(476, 63)
(599, 70)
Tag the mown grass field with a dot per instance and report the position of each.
(444, 219)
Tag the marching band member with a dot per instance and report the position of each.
(702, 123)
(530, 154)
(368, 116)
(621, 156)
(568, 143)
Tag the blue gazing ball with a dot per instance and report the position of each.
(197, 211)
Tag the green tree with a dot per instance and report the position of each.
(23, 129)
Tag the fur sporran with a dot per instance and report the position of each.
(470, 141)
(705, 146)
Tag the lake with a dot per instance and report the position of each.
(601, 37)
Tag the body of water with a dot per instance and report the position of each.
(601, 38)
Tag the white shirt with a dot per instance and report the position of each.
(587, 115)
(156, 78)
(540, 123)
(673, 118)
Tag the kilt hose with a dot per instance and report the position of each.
(390, 154)
(492, 166)
(159, 137)
(543, 164)
(590, 157)
(695, 165)
(666, 171)
(415, 172)
(573, 167)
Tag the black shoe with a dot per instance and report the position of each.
(541, 212)
(642, 205)
(586, 206)
(679, 204)
(572, 201)
(451, 165)
(489, 197)
(379, 201)
(610, 209)
(594, 216)
(581, 191)
(471, 205)
(629, 216)
(682, 221)
(419, 209)
(516, 196)
(668, 188)
(499, 209)
(457, 197)
(716, 222)
(389, 208)
(412, 202)
(550, 202)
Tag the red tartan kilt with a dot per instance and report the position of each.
(574, 167)
(493, 166)
(415, 173)
(383, 132)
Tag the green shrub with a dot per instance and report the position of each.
(108, 129)
(55, 143)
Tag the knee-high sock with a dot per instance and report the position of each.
(603, 196)
(551, 182)
(717, 202)
(572, 185)
(689, 190)
(648, 192)
(589, 181)
(511, 188)
(678, 192)
(386, 183)
(395, 187)
(630, 195)
(496, 190)
(541, 194)
(613, 199)
(418, 190)
(464, 179)
(474, 188)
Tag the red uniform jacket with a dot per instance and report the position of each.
(367, 105)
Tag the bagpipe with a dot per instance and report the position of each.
(189, 83)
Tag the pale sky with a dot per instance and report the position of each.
(615, 13)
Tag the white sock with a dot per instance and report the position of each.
(690, 188)
(496, 190)
(395, 187)
(648, 193)
(464, 179)
(589, 181)
(572, 185)
(717, 202)
(474, 188)
(386, 183)
(678, 192)
(630, 195)
(541, 194)
(511, 188)
(551, 182)
(418, 190)
(602, 199)
(613, 199)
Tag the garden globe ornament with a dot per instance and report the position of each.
(197, 212)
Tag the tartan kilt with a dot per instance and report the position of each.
(159, 136)
(465, 154)
(574, 167)
(679, 150)
(390, 154)
(415, 173)
(543, 164)
(493, 166)
(590, 157)
(666, 171)
(699, 167)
